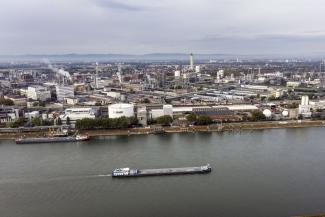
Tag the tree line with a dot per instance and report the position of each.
(6, 102)
(106, 123)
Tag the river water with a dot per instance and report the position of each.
(265, 173)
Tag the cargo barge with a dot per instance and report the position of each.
(127, 172)
(53, 139)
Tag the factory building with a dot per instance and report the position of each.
(305, 107)
(31, 115)
(121, 110)
(197, 69)
(8, 114)
(63, 91)
(293, 84)
(322, 83)
(142, 116)
(166, 110)
(75, 114)
(38, 93)
(216, 113)
(18, 100)
(236, 108)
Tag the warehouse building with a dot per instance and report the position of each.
(121, 110)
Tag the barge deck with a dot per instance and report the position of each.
(127, 172)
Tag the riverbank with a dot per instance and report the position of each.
(235, 127)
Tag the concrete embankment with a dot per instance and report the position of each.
(211, 128)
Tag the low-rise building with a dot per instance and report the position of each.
(18, 100)
(293, 84)
(305, 107)
(31, 115)
(166, 110)
(8, 114)
(121, 110)
(71, 101)
(75, 114)
(38, 93)
(219, 113)
(142, 116)
(63, 92)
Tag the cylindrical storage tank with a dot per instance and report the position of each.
(121, 110)
(267, 113)
(285, 113)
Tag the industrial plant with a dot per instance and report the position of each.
(218, 91)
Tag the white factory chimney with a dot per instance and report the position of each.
(191, 62)
(96, 76)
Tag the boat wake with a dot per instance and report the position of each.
(104, 175)
(49, 179)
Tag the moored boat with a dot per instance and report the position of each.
(53, 139)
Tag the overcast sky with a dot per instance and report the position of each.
(161, 26)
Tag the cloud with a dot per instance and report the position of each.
(119, 5)
(144, 26)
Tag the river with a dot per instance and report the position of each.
(262, 173)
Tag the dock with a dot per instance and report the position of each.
(127, 172)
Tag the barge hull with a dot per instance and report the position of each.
(127, 172)
(170, 171)
(47, 140)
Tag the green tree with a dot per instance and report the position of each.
(146, 100)
(122, 123)
(263, 98)
(47, 122)
(59, 121)
(68, 121)
(20, 122)
(106, 123)
(204, 120)
(258, 116)
(36, 122)
(165, 120)
(293, 105)
(134, 121)
(191, 118)
(7, 102)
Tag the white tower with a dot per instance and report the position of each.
(96, 76)
(191, 62)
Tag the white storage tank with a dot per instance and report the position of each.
(120, 110)
(267, 113)
(285, 113)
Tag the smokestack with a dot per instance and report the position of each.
(96, 76)
(191, 62)
(61, 73)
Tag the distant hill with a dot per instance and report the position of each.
(154, 57)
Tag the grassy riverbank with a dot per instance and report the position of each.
(211, 128)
